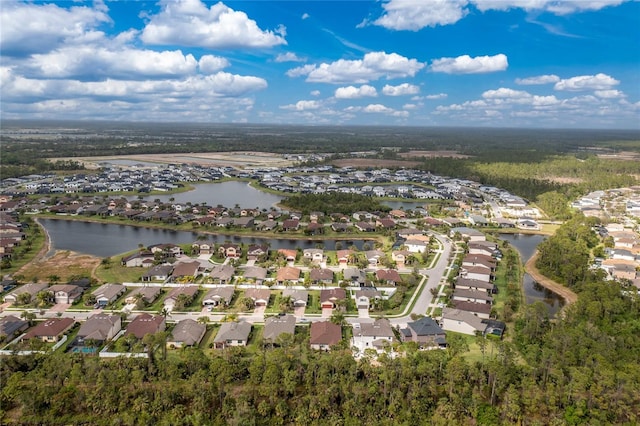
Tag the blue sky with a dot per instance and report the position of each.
(496, 63)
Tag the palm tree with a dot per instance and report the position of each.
(337, 317)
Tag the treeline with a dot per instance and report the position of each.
(333, 202)
(564, 256)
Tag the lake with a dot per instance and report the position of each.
(533, 292)
(227, 194)
(105, 240)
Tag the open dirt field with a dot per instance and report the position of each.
(622, 155)
(232, 159)
(63, 264)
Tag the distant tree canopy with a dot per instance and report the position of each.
(333, 202)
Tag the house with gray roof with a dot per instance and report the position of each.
(255, 274)
(217, 296)
(425, 332)
(108, 293)
(276, 326)
(376, 335)
(99, 327)
(461, 321)
(298, 297)
(472, 296)
(147, 293)
(186, 333)
(32, 289)
(222, 274)
(158, 273)
(232, 334)
(11, 326)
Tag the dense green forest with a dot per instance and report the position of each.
(334, 202)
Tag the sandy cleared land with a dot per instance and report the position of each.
(63, 264)
(232, 159)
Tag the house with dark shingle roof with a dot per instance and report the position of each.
(145, 324)
(11, 326)
(50, 330)
(99, 327)
(232, 334)
(186, 333)
(276, 326)
(324, 334)
(425, 332)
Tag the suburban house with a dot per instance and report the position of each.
(486, 248)
(166, 250)
(479, 260)
(482, 310)
(476, 273)
(232, 334)
(365, 226)
(222, 274)
(219, 296)
(462, 322)
(108, 293)
(66, 293)
(158, 273)
(355, 277)
(11, 326)
(416, 246)
(276, 326)
(50, 330)
(100, 328)
(289, 255)
(477, 285)
(255, 274)
(344, 256)
(141, 258)
(388, 276)
(202, 247)
(374, 257)
(145, 324)
(257, 251)
(185, 270)
(376, 335)
(468, 234)
(321, 276)
(32, 289)
(146, 293)
(287, 274)
(298, 297)
(472, 296)
(186, 292)
(187, 332)
(290, 225)
(329, 297)
(324, 334)
(313, 254)
(260, 296)
(425, 332)
(364, 298)
(230, 250)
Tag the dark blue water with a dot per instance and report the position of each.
(104, 240)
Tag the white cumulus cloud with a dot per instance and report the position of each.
(352, 92)
(33, 28)
(303, 106)
(540, 79)
(599, 81)
(288, 57)
(401, 90)
(191, 23)
(436, 96)
(609, 94)
(414, 15)
(372, 66)
(209, 64)
(465, 64)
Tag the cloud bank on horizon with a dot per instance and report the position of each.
(498, 63)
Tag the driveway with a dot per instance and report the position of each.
(259, 310)
(60, 307)
(363, 313)
(327, 312)
(298, 312)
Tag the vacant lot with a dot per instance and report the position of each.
(373, 162)
(63, 264)
(232, 159)
(432, 154)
